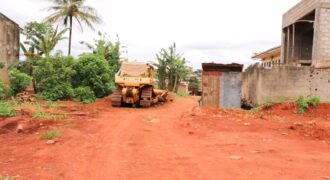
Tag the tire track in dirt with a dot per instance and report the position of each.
(135, 145)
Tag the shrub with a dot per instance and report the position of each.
(7, 177)
(42, 115)
(5, 91)
(94, 71)
(304, 104)
(49, 135)
(182, 94)
(2, 64)
(6, 109)
(84, 95)
(52, 104)
(19, 81)
(54, 78)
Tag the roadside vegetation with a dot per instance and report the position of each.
(302, 103)
(7, 177)
(6, 109)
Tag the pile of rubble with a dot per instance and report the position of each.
(25, 97)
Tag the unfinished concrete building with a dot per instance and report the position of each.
(305, 58)
(9, 44)
(306, 34)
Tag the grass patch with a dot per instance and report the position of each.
(40, 114)
(7, 177)
(182, 94)
(50, 135)
(52, 104)
(305, 103)
(6, 109)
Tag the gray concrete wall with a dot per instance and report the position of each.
(301, 9)
(230, 90)
(321, 55)
(285, 83)
(9, 44)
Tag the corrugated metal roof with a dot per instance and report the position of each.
(270, 52)
(222, 67)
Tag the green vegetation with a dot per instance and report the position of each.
(5, 91)
(171, 68)
(65, 11)
(41, 39)
(2, 64)
(84, 95)
(54, 78)
(7, 177)
(107, 49)
(6, 109)
(93, 71)
(53, 104)
(305, 103)
(182, 94)
(194, 82)
(42, 115)
(50, 135)
(19, 81)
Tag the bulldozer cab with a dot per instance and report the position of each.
(135, 69)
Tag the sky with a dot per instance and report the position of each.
(219, 31)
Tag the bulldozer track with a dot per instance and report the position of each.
(116, 97)
(146, 97)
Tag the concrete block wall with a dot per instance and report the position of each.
(285, 83)
(321, 55)
(298, 11)
(9, 44)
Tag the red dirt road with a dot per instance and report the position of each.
(172, 141)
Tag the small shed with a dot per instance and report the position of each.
(221, 85)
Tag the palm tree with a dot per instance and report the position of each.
(65, 11)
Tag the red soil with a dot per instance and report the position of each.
(174, 141)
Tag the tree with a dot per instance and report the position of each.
(41, 39)
(65, 11)
(171, 68)
(109, 50)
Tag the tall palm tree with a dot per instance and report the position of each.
(65, 11)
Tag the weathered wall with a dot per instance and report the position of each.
(321, 49)
(9, 44)
(301, 9)
(285, 82)
(230, 90)
(211, 88)
(221, 89)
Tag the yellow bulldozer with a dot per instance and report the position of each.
(134, 86)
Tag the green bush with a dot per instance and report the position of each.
(182, 94)
(84, 95)
(2, 64)
(6, 109)
(54, 78)
(5, 91)
(19, 81)
(304, 103)
(94, 71)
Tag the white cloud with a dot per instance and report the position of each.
(204, 30)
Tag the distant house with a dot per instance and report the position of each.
(9, 44)
(269, 58)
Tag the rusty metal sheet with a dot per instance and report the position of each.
(211, 87)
